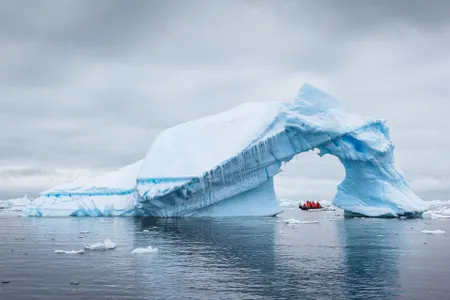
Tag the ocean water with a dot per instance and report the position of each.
(229, 258)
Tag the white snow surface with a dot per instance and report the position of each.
(147, 249)
(217, 138)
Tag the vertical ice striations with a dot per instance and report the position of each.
(195, 165)
(224, 164)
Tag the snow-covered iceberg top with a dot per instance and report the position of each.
(224, 164)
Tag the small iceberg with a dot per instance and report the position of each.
(84, 232)
(437, 231)
(70, 251)
(17, 204)
(106, 245)
(295, 221)
(438, 209)
(147, 249)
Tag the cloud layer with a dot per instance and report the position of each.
(87, 85)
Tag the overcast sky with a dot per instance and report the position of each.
(85, 86)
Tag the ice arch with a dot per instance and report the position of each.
(223, 165)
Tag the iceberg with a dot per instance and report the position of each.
(17, 204)
(112, 194)
(224, 164)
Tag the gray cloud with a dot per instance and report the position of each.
(89, 84)
(25, 172)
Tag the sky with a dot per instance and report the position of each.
(86, 86)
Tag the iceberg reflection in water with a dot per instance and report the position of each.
(225, 258)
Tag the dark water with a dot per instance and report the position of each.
(239, 258)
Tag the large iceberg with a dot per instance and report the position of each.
(224, 164)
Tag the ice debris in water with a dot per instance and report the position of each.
(70, 251)
(295, 221)
(147, 249)
(437, 231)
(106, 245)
(84, 232)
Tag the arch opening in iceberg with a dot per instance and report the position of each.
(223, 165)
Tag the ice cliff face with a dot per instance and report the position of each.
(223, 165)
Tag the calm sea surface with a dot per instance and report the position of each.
(232, 258)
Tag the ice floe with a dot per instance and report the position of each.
(106, 245)
(437, 231)
(295, 221)
(70, 251)
(147, 249)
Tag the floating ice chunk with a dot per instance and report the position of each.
(147, 249)
(145, 230)
(437, 231)
(295, 221)
(109, 245)
(70, 251)
(96, 246)
(84, 232)
(106, 245)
